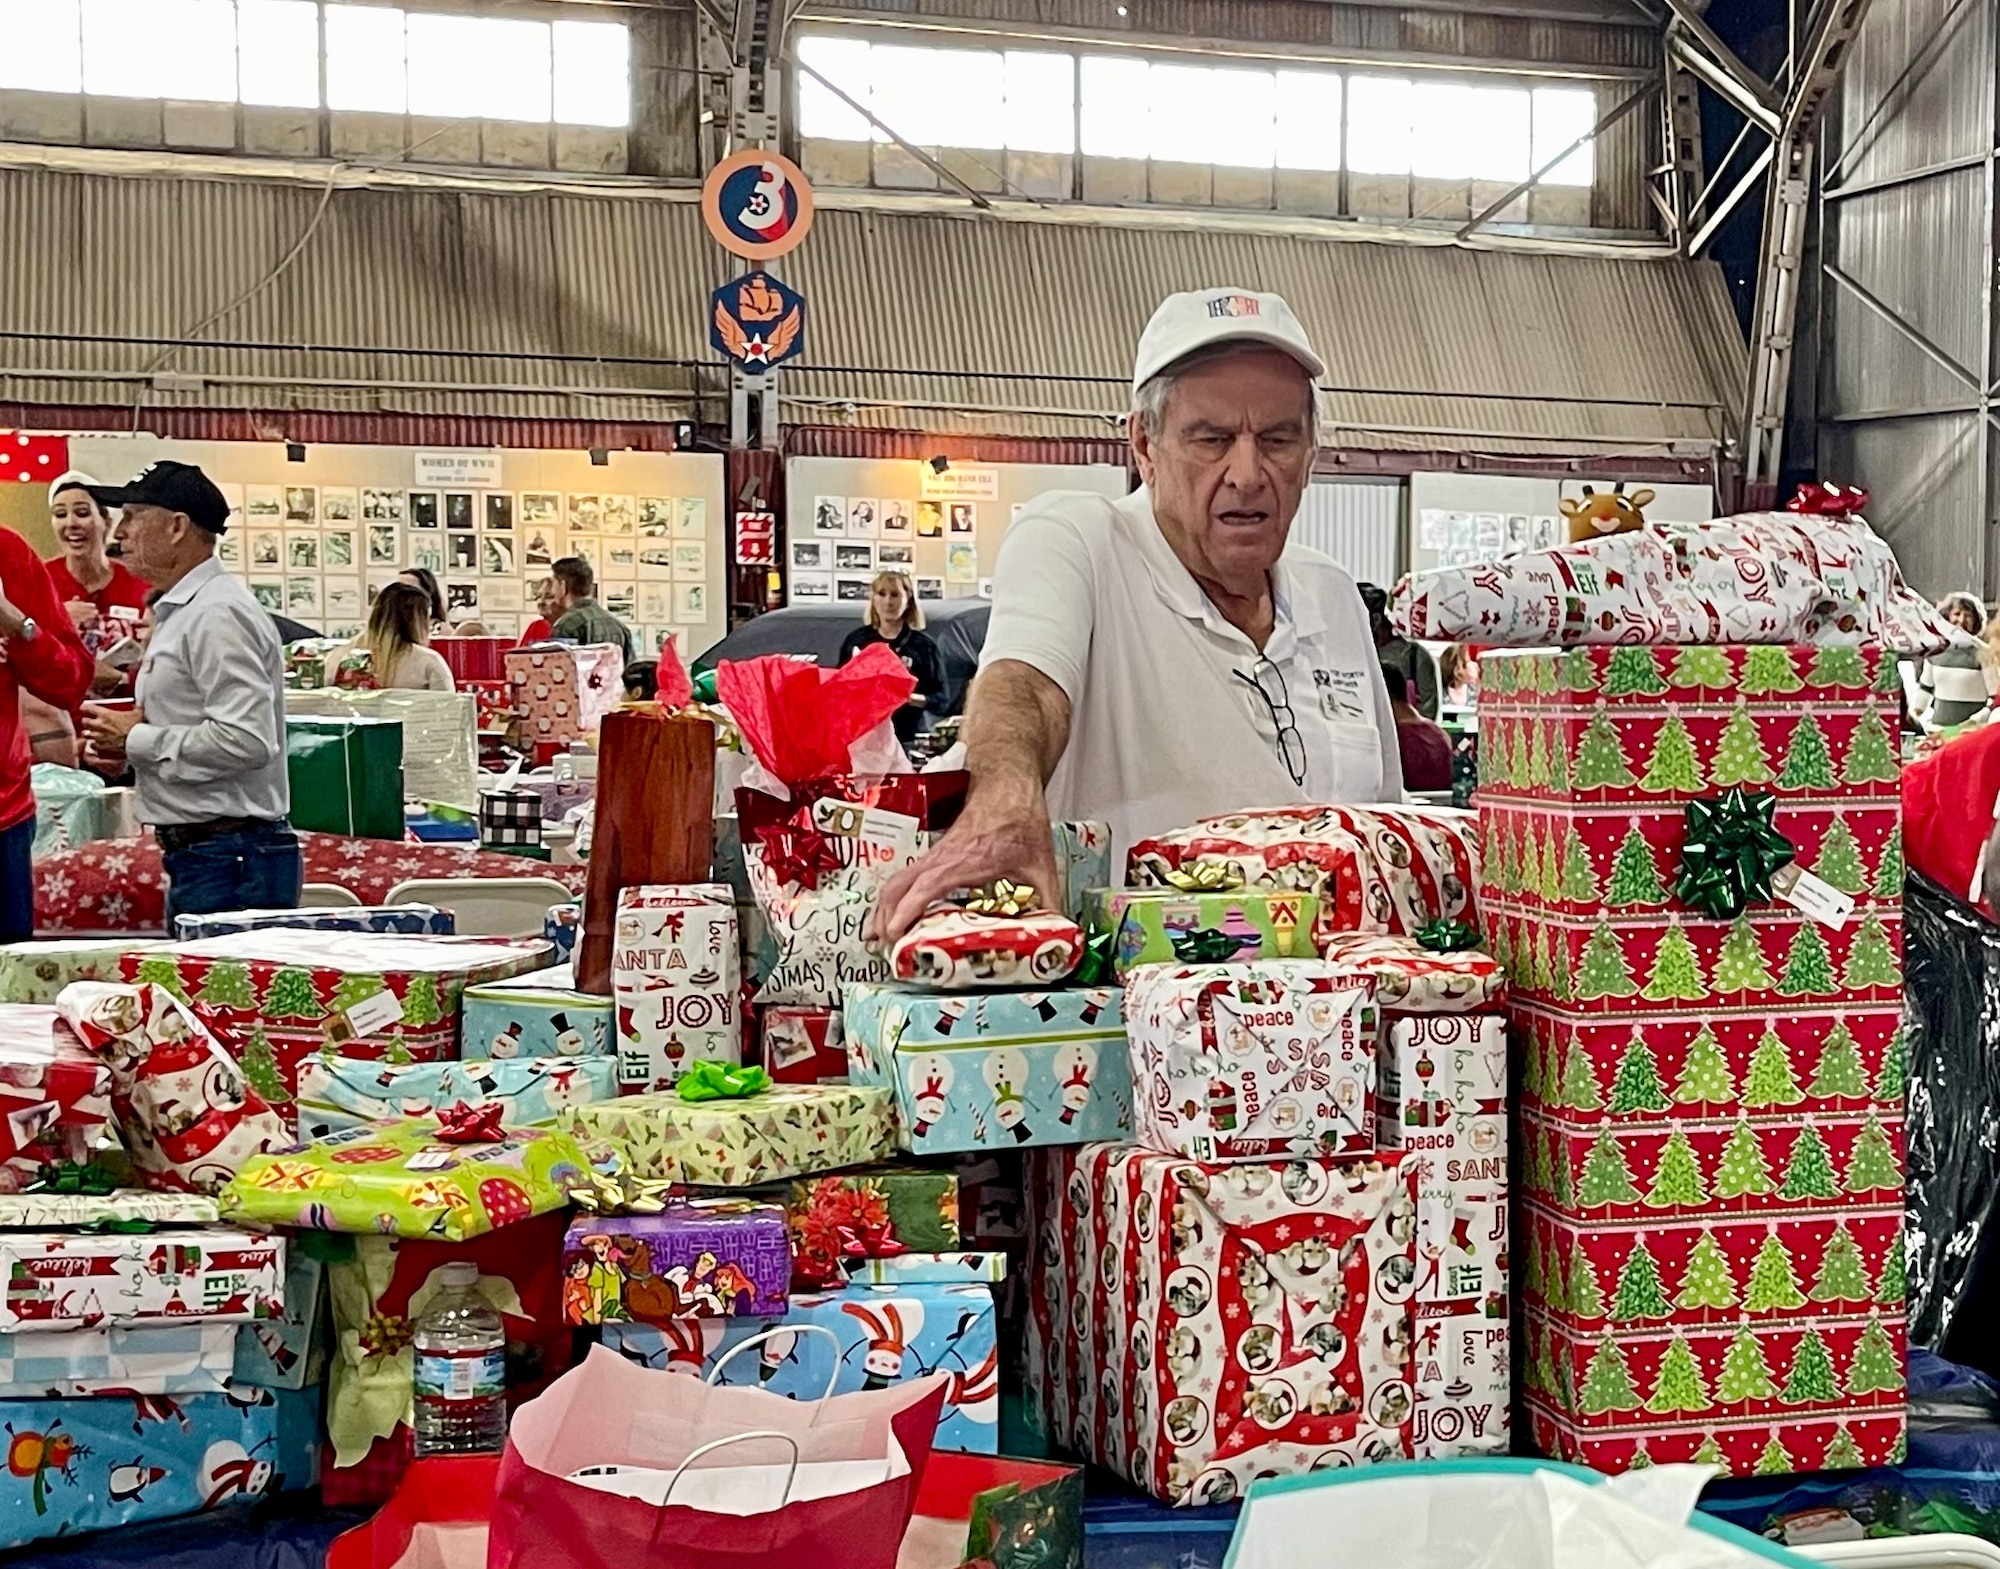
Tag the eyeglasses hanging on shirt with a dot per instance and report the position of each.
(1291, 745)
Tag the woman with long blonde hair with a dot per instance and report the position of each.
(894, 617)
(398, 642)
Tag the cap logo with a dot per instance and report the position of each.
(1235, 305)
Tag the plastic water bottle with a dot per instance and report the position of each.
(461, 1352)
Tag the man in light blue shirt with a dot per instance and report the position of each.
(206, 736)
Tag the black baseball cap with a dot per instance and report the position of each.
(179, 487)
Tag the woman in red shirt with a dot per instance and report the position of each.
(104, 598)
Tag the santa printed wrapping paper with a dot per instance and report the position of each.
(677, 982)
(1411, 978)
(1758, 578)
(955, 949)
(278, 994)
(343, 1092)
(996, 1069)
(789, 1130)
(563, 691)
(63, 1280)
(1711, 1106)
(188, 1115)
(1373, 869)
(401, 1178)
(1443, 1102)
(1172, 926)
(878, 1212)
(135, 1359)
(55, 1097)
(1255, 1061)
(803, 1045)
(412, 920)
(540, 1014)
(876, 1336)
(36, 972)
(1193, 1329)
(700, 1258)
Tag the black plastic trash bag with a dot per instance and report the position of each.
(1952, 1037)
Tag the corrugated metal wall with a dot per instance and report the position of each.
(1357, 522)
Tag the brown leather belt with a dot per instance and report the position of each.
(175, 837)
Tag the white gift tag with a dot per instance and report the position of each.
(1812, 896)
(428, 1160)
(377, 1011)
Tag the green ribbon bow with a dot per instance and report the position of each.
(66, 1177)
(1442, 936)
(1731, 851)
(1204, 945)
(718, 1081)
(1094, 968)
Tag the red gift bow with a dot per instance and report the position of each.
(863, 1240)
(1829, 501)
(797, 856)
(464, 1124)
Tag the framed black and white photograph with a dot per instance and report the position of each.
(427, 551)
(861, 522)
(930, 520)
(586, 514)
(381, 506)
(461, 596)
(830, 517)
(964, 517)
(301, 506)
(496, 557)
(888, 555)
(851, 589)
(499, 512)
(340, 552)
(461, 553)
(384, 545)
(809, 555)
(617, 512)
(656, 516)
(930, 588)
(812, 588)
(540, 509)
(338, 504)
(267, 548)
(458, 509)
(853, 556)
(424, 509)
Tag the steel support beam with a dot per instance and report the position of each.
(1710, 45)
(1749, 104)
(1731, 202)
(1680, 131)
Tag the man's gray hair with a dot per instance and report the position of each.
(1150, 401)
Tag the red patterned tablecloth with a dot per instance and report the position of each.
(117, 885)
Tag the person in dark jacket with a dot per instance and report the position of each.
(892, 617)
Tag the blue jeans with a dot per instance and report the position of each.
(17, 881)
(258, 870)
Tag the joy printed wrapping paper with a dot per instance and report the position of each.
(789, 1130)
(336, 1093)
(1195, 1328)
(703, 1258)
(1254, 1061)
(676, 981)
(993, 1070)
(65, 1280)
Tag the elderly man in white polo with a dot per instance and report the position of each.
(1171, 655)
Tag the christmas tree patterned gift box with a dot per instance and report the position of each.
(1254, 1061)
(36, 972)
(278, 994)
(563, 691)
(403, 1177)
(993, 1070)
(860, 1337)
(64, 1280)
(540, 1014)
(788, 1130)
(336, 1093)
(676, 980)
(1169, 926)
(699, 1258)
(1443, 1102)
(1195, 1328)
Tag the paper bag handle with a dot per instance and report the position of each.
(680, 1470)
(801, 1329)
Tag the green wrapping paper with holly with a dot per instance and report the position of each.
(880, 1212)
(402, 1177)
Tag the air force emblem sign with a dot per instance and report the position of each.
(757, 204)
(756, 322)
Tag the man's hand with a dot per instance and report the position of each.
(105, 729)
(1011, 842)
(915, 700)
(83, 613)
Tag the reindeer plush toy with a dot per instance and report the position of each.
(1601, 514)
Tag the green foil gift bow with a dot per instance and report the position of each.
(1731, 851)
(1443, 936)
(718, 1081)
(1094, 968)
(1204, 945)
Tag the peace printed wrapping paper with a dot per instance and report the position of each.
(676, 980)
(399, 1178)
(65, 1280)
(993, 1070)
(1254, 1061)
(336, 1093)
(1193, 1329)
(789, 1130)
(1154, 925)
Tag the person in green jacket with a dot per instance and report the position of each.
(583, 619)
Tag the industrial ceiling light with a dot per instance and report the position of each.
(295, 452)
(940, 463)
(600, 458)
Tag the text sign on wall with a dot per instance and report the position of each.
(957, 484)
(458, 471)
(754, 534)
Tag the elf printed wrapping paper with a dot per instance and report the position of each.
(677, 982)
(82, 1465)
(701, 1258)
(1443, 1102)
(789, 1130)
(412, 920)
(278, 994)
(1410, 978)
(540, 1014)
(803, 1045)
(137, 1359)
(880, 1336)
(336, 1093)
(1193, 1329)
(36, 972)
(955, 949)
(1156, 925)
(1083, 861)
(880, 1212)
(1373, 869)
(563, 691)
(1711, 1109)
(1255, 1061)
(63, 1280)
(188, 1115)
(55, 1097)
(400, 1178)
(993, 1070)
(1761, 577)
(50, 1211)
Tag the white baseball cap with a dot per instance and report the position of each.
(1186, 322)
